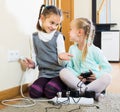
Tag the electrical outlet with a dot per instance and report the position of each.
(13, 55)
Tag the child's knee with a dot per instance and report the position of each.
(107, 79)
(63, 72)
(51, 90)
(35, 91)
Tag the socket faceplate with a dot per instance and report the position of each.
(13, 55)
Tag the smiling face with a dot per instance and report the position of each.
(50, 23)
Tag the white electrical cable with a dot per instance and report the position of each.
(30, 101)
(5, 102)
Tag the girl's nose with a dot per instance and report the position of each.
(54, 26)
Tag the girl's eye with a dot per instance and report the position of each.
(57, 24)
(53, 23)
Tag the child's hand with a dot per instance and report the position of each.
(91, 78)
(27, 63)
(65, 56)
(82, 78)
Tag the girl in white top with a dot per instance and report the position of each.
(48, 47)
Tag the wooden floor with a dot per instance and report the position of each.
(114, 87)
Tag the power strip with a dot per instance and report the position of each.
(71, 100)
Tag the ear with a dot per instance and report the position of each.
(80, 32)
(42, 17)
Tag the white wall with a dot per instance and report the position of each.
(115, 15)
(17, 22)
(83, 8)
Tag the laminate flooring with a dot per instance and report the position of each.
(114, 87)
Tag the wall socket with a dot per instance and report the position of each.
(13, 55)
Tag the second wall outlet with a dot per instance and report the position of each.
(13, 55)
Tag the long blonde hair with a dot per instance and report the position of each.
(89, 29)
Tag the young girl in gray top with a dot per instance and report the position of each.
(48, 45)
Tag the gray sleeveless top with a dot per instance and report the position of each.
(46, 56)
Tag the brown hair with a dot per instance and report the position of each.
(46, 11)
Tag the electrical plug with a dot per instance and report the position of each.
(22, 58)
(21, 61)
